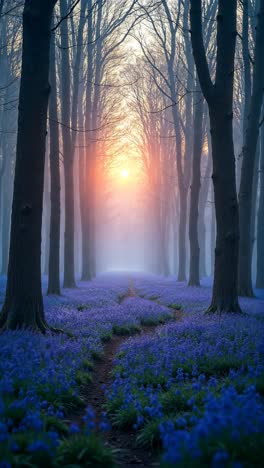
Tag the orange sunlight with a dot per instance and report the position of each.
(124, 173)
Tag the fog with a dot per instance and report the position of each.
(134, 154)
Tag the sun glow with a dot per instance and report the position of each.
(124, 173)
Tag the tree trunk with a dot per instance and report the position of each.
(219, 97)
(202, 244)
(254, 206)
(69, 277)
(202, 207)
(260, 220)
(76, 71)
(95, 125)
(7, 152)
(248, 162)
(6, 213)
(175, 249)
(5, 230)
(183, 193)
(7, 141)
(55, 209)
(82, 181)
(68, 155)
(227, 236)
(246, 61)
(87, 195)
(77, 105)
(155, 244)
(23, 306)
(182, 234)
(46, 214)
(194, 276)
(163, 229)
(213, 235)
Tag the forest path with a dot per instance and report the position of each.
(124, 442)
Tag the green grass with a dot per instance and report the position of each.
(78, 450)
(126, 330)
(83, 378)
(125, 418)
(81, 450)
(212, 365)
(81, 307)
(154, 321)
(69, 402)
(51, 423)
(106, 337)
(149, 321)
(97, 355)
(175, 306)
(149, 435)
(219, 365)
(87, 364)
(260, 384)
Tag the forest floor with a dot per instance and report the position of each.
(124, 443)
(176, 386)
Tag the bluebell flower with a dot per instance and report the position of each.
(38, 445)
(74, 429)
(219, 459)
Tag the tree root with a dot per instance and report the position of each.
(38, 326)
(219, 310)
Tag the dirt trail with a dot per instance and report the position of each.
(128, 453)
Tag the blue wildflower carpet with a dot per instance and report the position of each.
(191, 391)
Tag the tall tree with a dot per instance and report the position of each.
(203, 201)
(260, 219)
(9, 58)
(219, 96)
(68, 153)
(87, 196)
(23, 306)
(55, 208)
(170, 87)
(246, 62)
(248, 161)
(194, 278)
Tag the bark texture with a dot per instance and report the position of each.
(87, 195)
(219, 96)
(194, 276)
(55, 209)
(68, 154)
(203, 200)
(248, 161)
(260, 220)
(23, 306)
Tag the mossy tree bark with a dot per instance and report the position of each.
(23, 306)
